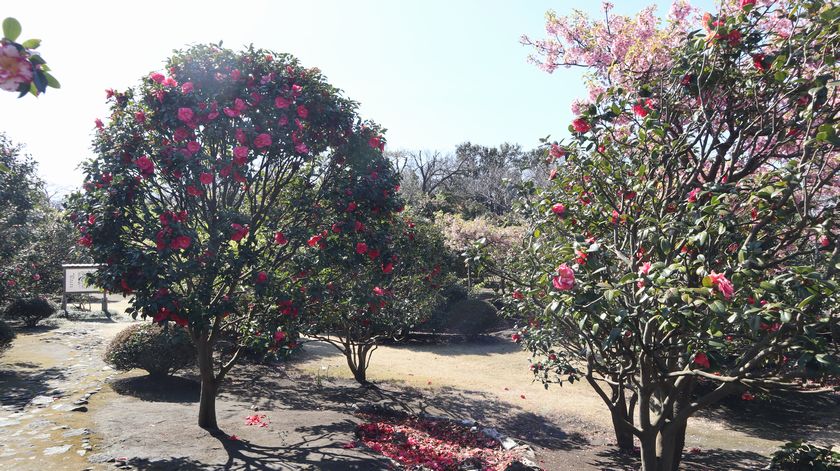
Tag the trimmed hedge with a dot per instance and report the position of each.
(7, 335)
(30, 310)
(159, 350)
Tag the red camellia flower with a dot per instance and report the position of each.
(140, 117)
(262, 140)
(145, 164)
(351, 206)
(824, 241)
(240, 155)
(239, 231)
(734, 37)
(157, 77)
(279, 336)
(280, 238)
(558, 209)
(187, 87)
(516, 338)
(758, 62)
(206, 178)
(581, 125)
(387, 268)
(361, 248)
(565, 278)
(747, 396)
(747, 3)
(262, 277)
(185, 114)
(692, 195)
(518, 295)
(376, 142)
(302, 112)
(373, 254)
(314, 241)
(180, 242)
(702, 360)
(556, 151)
(723, 285)
(639, 110)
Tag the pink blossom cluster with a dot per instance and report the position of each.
(14, 68)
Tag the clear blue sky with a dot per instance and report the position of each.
(434, 72)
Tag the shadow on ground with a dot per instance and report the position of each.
(157, 389)
(706, 460)
(19, 386)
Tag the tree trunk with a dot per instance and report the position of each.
(359, 366)
(623, 434)
(209, 387)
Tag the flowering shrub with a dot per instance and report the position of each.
(159, 350)
(698, 233)
(434, 444)
(207, 183)
(375, 274)
(797, 455)
(22, 69)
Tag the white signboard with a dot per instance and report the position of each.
(75, 280)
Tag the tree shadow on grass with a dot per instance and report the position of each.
(782, 416)
(18, 387)
(707, 460)
(158, 389)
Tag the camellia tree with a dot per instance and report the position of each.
(687, 247)
(377, 274)
(205, 184)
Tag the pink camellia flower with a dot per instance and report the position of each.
(558, 209)
(145, 164)
(157, 77)
(301, 148)
(170, 82)
(262, 140)
(280, 238)
(581, 125)
(187, 87)
(302, 112)
(692, 195)
(361, 248)
(235, 74)
(36, 277)
(185, 114)
(99, 124)
(747, 3)
(281, 102)
(644, 269)
(239, 105)
(262, 277)
(824, 241)
(206, 178)
(565, 278)
(193, 147)
(140, 117)
(556, 151)
(723, 284)
(379, 291)
(518, 295)
(552, 174)
(351, 206)
(15, 70)
(702, 360)
(240, 155)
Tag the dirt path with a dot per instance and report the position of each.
(47, 380)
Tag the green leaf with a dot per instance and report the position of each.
(806, 301)
(31, 43)
(11, 29)
(707, 281)
(718, 307)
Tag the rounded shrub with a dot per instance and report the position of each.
(30, 310)
(471, 317)
(158, 350)
(7, 335)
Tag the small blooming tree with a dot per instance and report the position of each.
(206, 181)
(22, 69)
(372, 274)
(689, 236)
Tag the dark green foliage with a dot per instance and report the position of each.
(160, 350)
(801, 456)
(30, 310)
(7, 335)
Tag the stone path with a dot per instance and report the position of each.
(47, 381)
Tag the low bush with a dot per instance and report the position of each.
(158, 350)
(7, 335)
(30, 310)
(801, 456)
(469, 317)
